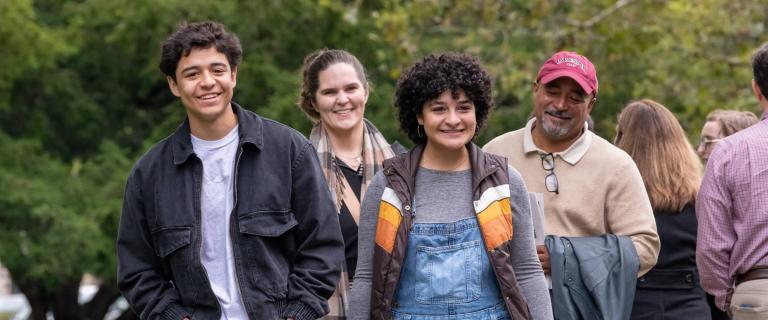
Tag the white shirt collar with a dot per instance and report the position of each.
(572, 155)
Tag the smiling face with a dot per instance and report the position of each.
(340, 98)
(449, 122)
(561, 107)
(205, 83)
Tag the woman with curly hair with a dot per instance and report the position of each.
(671, 172)
(445, 229)
(333, 95)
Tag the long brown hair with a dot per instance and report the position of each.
(654, 139)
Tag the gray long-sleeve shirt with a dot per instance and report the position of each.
(443, 197)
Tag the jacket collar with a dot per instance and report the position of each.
(482, 166)
(407, 165)
(250, 130)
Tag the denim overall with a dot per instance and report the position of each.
(447, 275)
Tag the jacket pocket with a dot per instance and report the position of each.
(267, 223)
(168, 240)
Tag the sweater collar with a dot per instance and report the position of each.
(572, 155)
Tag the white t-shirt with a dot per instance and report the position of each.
(217, 201)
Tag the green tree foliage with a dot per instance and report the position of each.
(81, 97)
(57, 221)
(691, 56)
(27, 45)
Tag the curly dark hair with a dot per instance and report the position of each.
(317, 62)
(432, 75)
(200, 35)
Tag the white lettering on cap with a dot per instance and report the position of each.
(572, 62)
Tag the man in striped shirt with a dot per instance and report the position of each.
(732, 210)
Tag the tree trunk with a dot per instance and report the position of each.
(38, 300)
(65, 304)
(128, 315)
(97, 308)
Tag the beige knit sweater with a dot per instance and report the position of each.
(600, 191)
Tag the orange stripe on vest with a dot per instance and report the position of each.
(496, 223)
(386, 227)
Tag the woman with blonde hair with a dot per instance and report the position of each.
(671, 171)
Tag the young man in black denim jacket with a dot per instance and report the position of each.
(230, 216)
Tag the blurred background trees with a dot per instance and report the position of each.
(81, 97)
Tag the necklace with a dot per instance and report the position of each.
(354, 162)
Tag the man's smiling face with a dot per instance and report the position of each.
(561, 107)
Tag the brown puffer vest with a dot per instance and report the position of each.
(490, 182)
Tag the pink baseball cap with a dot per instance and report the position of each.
(571, 65)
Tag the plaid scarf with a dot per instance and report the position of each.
(375, 150)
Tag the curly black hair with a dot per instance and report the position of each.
(200, 35)
(432, 75)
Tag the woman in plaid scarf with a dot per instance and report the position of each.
(334, 91)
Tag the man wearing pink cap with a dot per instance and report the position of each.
(589, 186)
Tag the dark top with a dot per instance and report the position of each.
(348, 224)
(677, 232)
(671, 289)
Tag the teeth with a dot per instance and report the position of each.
(209, 96)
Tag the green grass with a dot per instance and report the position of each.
(5, 316)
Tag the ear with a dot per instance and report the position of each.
(758, 93)
(367, 91)
(173, 86)
(234, 77)
(420, 119)
(591, 103)
(535, 86)
(313, 104)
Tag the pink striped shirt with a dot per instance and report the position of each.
(732, 210)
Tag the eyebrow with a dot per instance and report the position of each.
(579, 91)
(436, 102)
(440, 102)
(215, 64)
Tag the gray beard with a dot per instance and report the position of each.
(553, 131)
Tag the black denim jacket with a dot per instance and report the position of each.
(286, 239)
